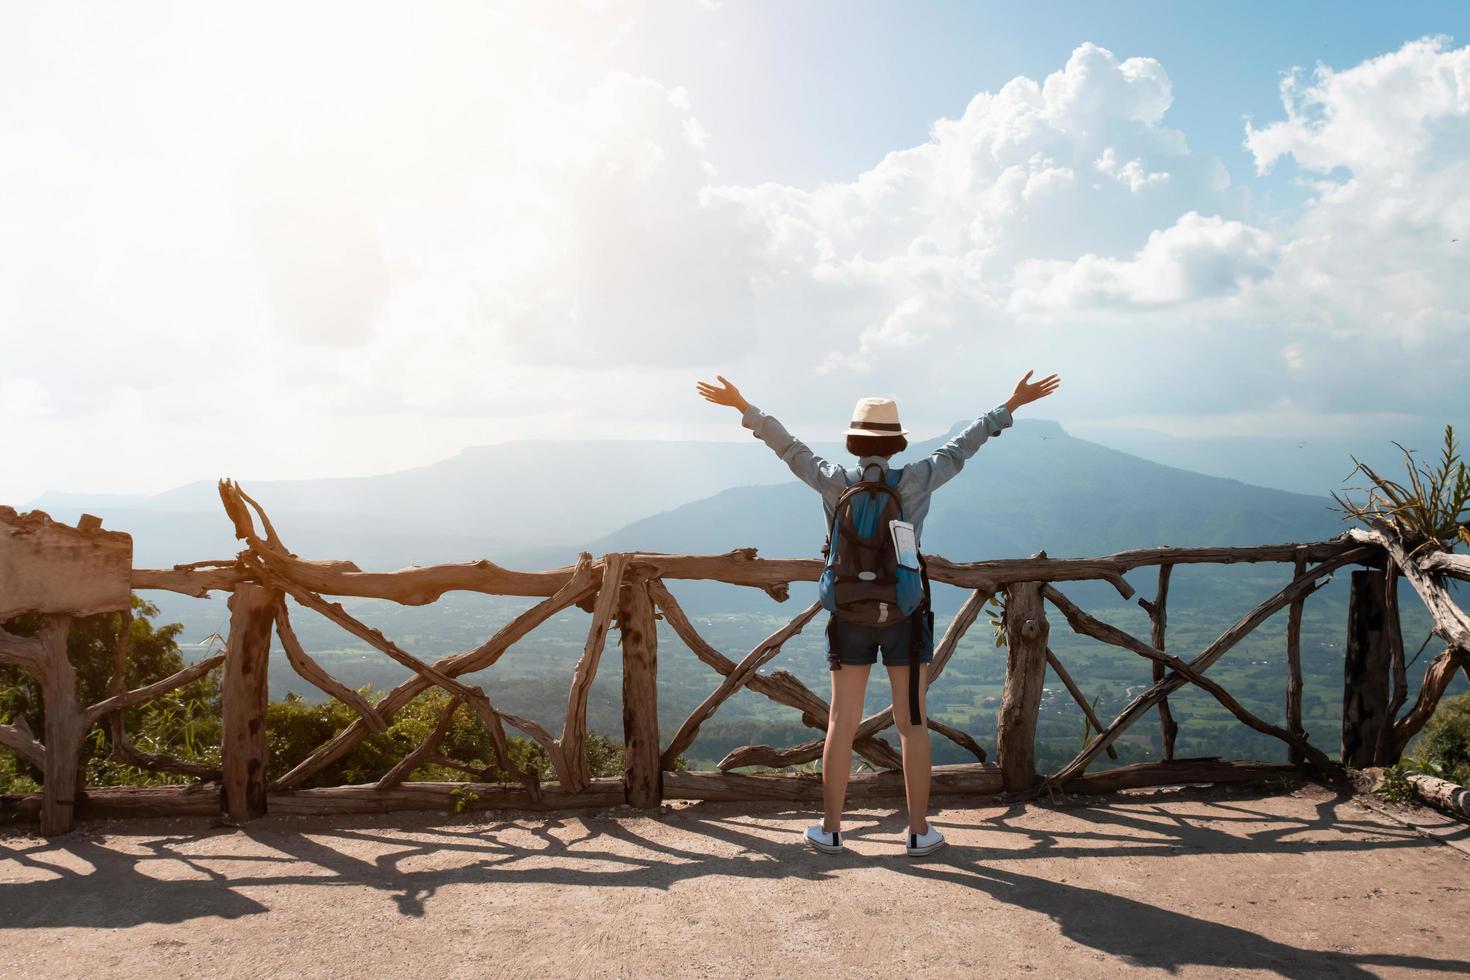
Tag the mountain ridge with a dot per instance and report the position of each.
(1033, 486)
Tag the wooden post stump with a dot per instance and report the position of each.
(642, 769)
(1366, 669)
(243, 747)
(1294, 664)
(1159, 622)
(1026, 638)
(64, 729)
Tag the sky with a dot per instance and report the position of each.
(283, 240)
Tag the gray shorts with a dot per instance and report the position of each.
(851, 643)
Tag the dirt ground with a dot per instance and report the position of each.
(1188, 882)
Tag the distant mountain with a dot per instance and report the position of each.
(484, 502)
(1302, 463)
(1033, 487)
(535, 504)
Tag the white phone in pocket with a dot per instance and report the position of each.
(905, 544)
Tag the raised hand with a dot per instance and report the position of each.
(1026, 393)
(723, 394)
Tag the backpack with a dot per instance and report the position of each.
(862, 581)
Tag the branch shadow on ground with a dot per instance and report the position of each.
(120, 882)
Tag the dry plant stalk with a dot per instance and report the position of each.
(1432, 512)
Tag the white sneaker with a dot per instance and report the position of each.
(928, 842)
(824, 840)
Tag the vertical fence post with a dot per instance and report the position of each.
(1026, 636)
(1366, 662)
(642, 770)
(64, 728)
(1294, 663)
(1158, 623)
(243, 747)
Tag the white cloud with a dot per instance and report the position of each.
(1374, 256)
(1196, 258)
(24, 398)
(1095, 88)
(914, 259)
(1382, 118)
(1131, 174)
(483, 218)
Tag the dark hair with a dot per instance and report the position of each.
(861, 446)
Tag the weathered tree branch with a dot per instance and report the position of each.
(417, 586)
(1090, 626)
(1077, 695)
(416, 758)
(313, 673)
(25, 652)
(122, 749)
(472, 696)
(574, 725)
(733, 682)
(1294, 662)
(868, 728)
(1399, 679)
(1437, 678)
(1158, 616)
(1446, 563)
(583, 583)
(1451, 624)
(148, 692)
(18, 738)
(1302, 585)
(780, 686)
(1442, 794)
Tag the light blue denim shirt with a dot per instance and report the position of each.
(920, 479)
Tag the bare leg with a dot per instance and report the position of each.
(917, 752)
(848, 687)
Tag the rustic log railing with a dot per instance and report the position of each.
(62, 572)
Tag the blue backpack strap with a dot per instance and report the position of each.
(893, 479)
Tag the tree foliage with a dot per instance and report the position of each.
(1445, 741)
(186, 722)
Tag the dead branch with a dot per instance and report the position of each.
(583, 582)
(574, 725)
(415, 758)
(18, 738)
(780, 686)
(1302, 585)
(313, 673)
(733, 682)
(150, 691)
(1077, 695)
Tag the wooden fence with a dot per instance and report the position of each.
(64, 572)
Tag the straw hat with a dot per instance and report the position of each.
(876, 417)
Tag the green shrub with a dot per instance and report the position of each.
(182, 723)
(1445, 741)
(1442, 750)
(185, 723)
(296, 730)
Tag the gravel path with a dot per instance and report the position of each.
(1192, 883)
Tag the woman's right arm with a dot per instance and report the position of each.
(826, 477)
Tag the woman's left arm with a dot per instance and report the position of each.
(822, 475)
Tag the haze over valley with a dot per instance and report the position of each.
(536, 504)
